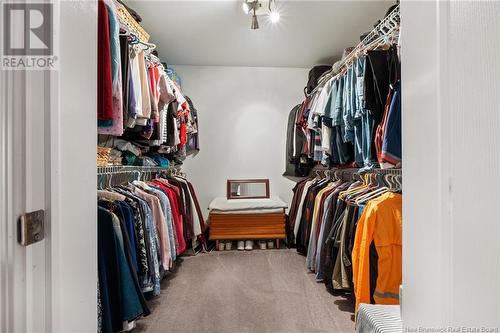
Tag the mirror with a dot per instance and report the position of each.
(248, 188)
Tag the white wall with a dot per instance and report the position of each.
(243, 113)
(451, 129)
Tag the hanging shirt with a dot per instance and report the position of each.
(116, 126)
(298, 218)
(167, 212)
(319, 105)
(154, 76)
(166, 94)
(349, 104)
(391, 141)
(104, 72)
(198, 210)
(144, 90)
(159, 220)
(113, 267)
(135, 92)
(336, 107)
(176, 214)
(125, 71)
(359, 69)
(315, 225)
(196, 219)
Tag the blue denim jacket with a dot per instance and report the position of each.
(337, 103)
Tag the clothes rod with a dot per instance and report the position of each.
(130, 168)
(356, 171)
(387, 26)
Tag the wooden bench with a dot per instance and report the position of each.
(247, 227)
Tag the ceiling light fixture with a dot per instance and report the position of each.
(255, 22)
(255, 8)
(246, 7)
(274, 15)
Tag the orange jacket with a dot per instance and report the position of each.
(381, 223)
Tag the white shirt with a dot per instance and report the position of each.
(301, 203)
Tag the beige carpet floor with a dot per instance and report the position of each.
(257, 291)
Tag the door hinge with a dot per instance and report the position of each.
(30, 228)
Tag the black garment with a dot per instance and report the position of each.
(171, 118)
(330, 256)
(346, 258)
(299, 239)
(303, 233)
(314, 75)
(328, 216)
(373, 270)
(198, 210)
(193, 138)
(124, 57)
(382, 67)
(108, 272)
(142, 259)
(156, 131)
(292, 212)
(185, 208)
(120, 209)
(297, 163)
(135, 133)
(128, 250)
(290, 161)
(146, 257)
(349, 244)
(376, 82)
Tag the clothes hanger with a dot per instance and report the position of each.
(398, 179)
(375, 183)
(371, 180)
(109, 180)
(99, 182)
(337, 174)
(148, 46)
(371, 195)
(356, 189)
(124, 30)
(133, 39)
(388, 181)
(118, 177)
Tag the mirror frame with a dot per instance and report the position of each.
(262, 181)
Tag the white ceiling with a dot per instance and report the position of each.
(218, 33)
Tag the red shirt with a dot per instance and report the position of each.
(176, 214)
(104, 77)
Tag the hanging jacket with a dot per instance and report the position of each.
(391, 142)
(298, 164)
(290, 164)
(380, 224)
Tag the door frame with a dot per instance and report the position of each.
(48, 127)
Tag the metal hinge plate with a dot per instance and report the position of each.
(30, 228)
